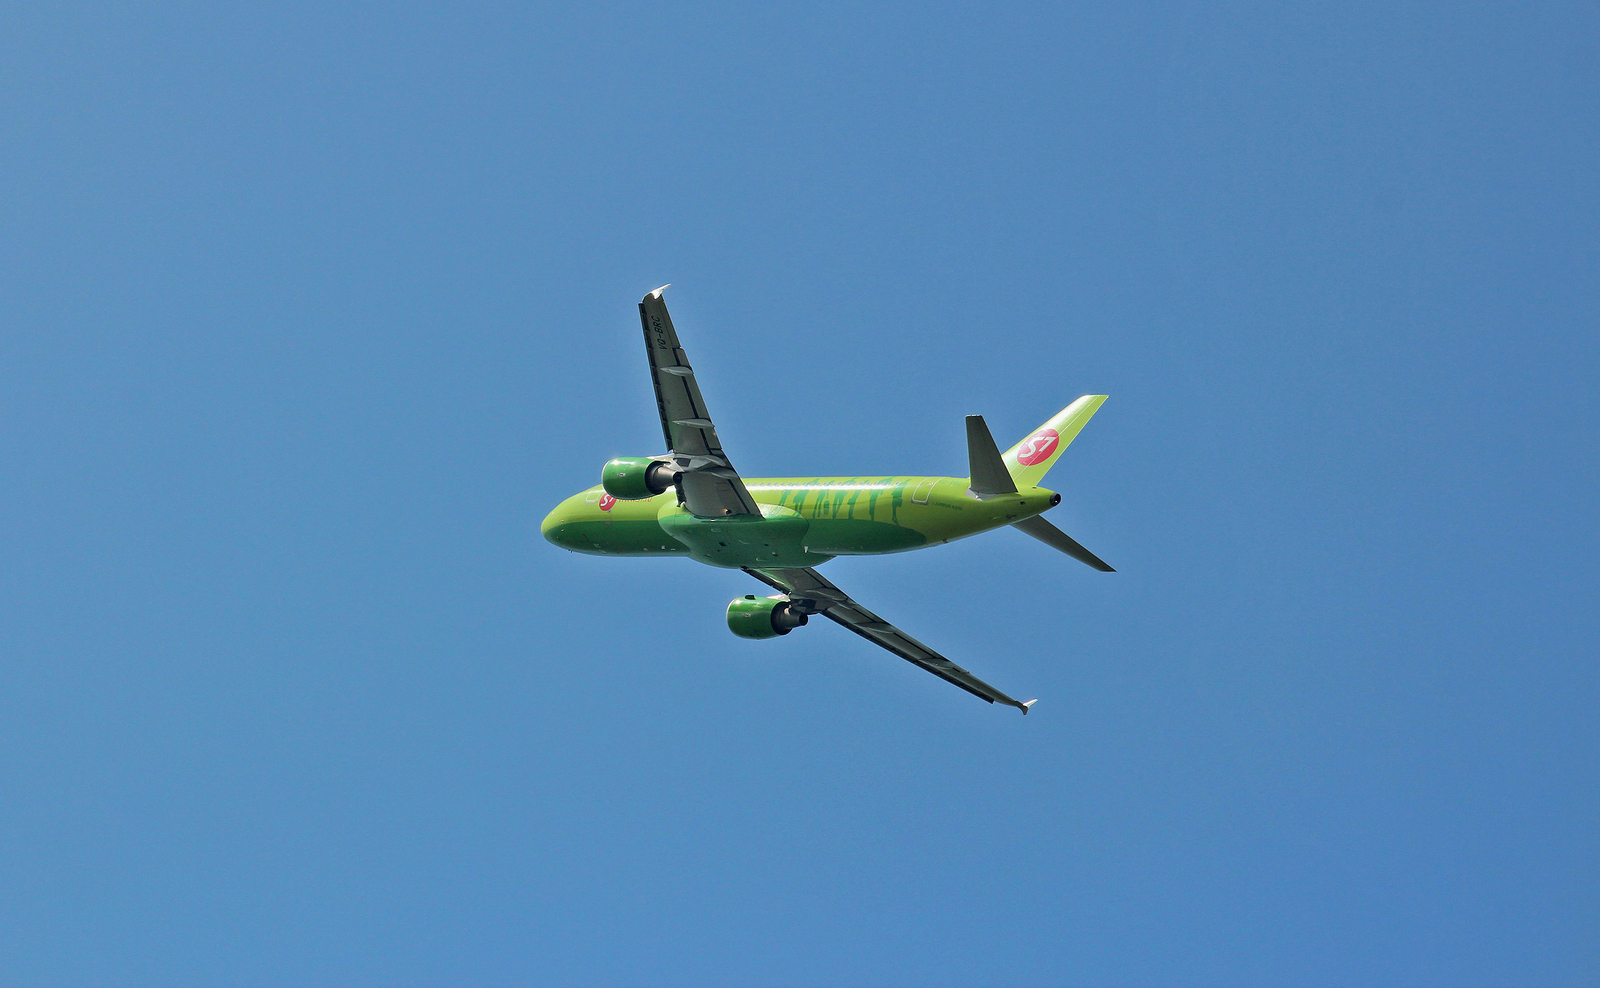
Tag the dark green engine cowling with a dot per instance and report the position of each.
(763, 617)
(633, 478)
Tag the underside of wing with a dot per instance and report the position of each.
(814, 594)
(710, 485)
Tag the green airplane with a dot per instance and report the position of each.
(691, 502)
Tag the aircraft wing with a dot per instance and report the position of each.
(810, 588)
(711, 487)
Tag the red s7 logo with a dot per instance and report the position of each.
(1037, 447)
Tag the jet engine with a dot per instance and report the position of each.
(763, 617)
(633, 478)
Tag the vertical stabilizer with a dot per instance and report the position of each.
(1029, 460)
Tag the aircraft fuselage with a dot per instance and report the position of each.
(803, 522)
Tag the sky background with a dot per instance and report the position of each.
(311, 313)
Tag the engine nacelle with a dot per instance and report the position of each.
(763, 617)
(633, 478)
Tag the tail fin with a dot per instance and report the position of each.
(1029, 460)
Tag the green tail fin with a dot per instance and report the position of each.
(1029, 460)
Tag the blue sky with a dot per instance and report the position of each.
(312, 313)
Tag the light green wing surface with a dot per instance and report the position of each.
(710, 485)
(812, 592)
(1029, 460)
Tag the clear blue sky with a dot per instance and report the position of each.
(311, 314)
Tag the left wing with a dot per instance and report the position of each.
(710, 485)
(813, 593)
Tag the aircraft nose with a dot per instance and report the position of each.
(550, 528)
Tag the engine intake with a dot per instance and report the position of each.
(633, 478)
(763, 617)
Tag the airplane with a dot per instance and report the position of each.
(690, 501)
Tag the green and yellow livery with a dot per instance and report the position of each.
(690, 502)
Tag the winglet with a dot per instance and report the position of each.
(658, 291)
(1025, 706)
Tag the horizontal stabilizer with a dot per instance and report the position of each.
(1056, 538)
(1028, 703)
(989, 474)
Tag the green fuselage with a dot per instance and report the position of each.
(804, 521)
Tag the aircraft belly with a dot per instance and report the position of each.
(854, 536)
(776, 539)
(615, 538)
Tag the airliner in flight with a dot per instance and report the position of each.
(690, 501)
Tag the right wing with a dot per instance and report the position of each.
(710, 485)
(813, 593)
